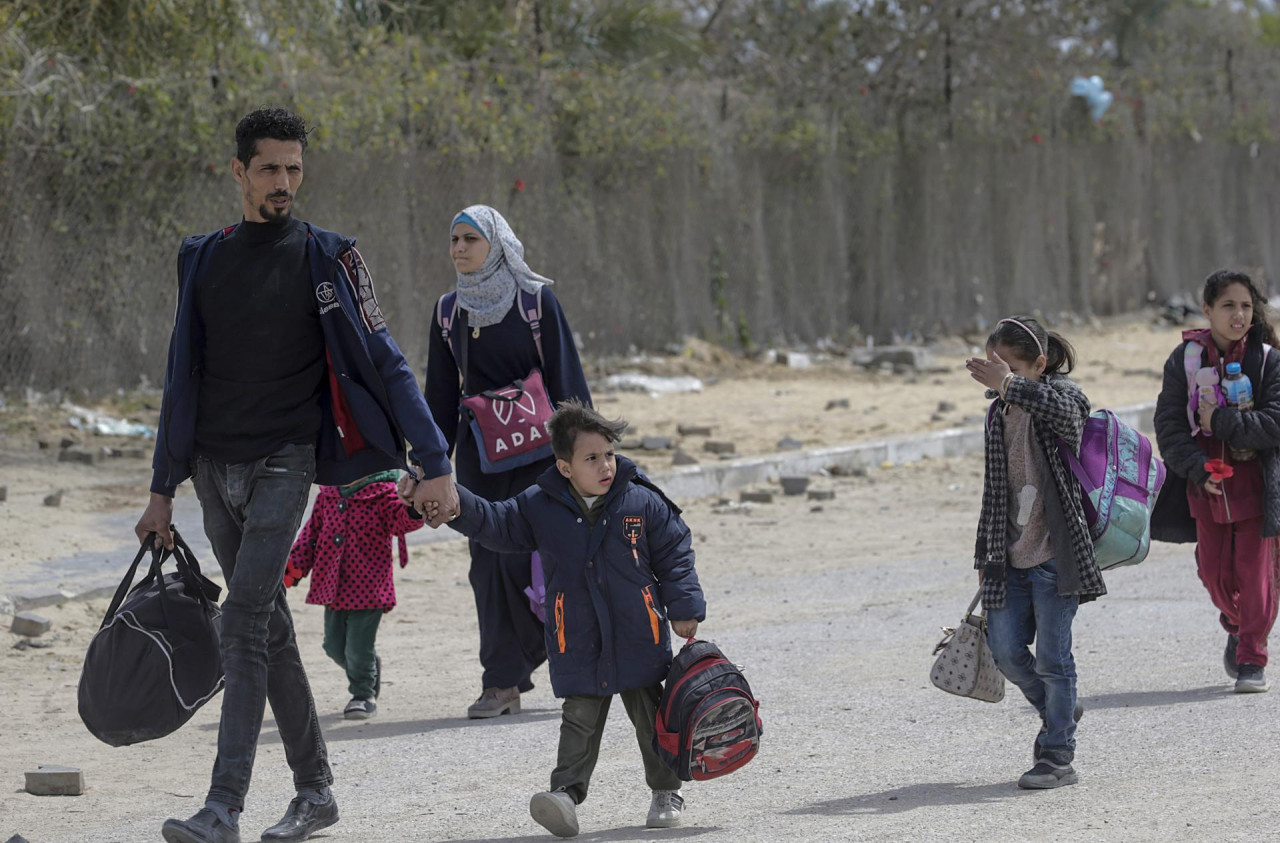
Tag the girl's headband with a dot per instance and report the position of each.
(1025, 328)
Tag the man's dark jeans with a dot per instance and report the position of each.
(251, 515)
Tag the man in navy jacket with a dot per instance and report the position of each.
(281, 373)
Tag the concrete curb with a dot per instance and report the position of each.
(702, 481)
(709, 480)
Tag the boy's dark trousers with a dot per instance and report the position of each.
(252, 512)
(581, 727)
(349, 636)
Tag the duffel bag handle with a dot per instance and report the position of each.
(189, 568)
(148, 543)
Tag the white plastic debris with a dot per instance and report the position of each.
(652, 384)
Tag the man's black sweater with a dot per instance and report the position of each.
(262, 364)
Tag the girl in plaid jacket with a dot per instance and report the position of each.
(1034, 554)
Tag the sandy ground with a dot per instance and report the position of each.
(833, 611)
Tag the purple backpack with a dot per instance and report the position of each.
(1120, 478)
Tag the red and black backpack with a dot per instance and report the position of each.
(708, 722)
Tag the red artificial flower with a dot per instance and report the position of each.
(132, 89)
(518, 186)
(1035, 137)
(486, 103)
(1218, 470)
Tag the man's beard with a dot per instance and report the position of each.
(270, 214)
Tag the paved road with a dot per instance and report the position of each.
(834, 615)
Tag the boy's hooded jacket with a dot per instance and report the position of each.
(372, 402)
(607, 606)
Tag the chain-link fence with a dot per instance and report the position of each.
(738, 247)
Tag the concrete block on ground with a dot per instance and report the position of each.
(53, 500)
(749, 496)
(788, 444)
(42, 444)
(29, 623)
(838, 404)
(631, 443)
(712, 446)
(946, 407)
(67, 442)
(794, 484)
(54, 780)
(656, 443)
(683, 458)
(795, 359)
(76, 455)
(693, 429)
(822, 495)
(4, 493)
(891, 356)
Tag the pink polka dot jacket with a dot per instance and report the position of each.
(346, 547)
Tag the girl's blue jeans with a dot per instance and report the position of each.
(1034, 611)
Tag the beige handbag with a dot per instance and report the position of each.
(965, 666)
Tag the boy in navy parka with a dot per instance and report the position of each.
(618, 563)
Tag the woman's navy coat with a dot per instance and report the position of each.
(606, 607)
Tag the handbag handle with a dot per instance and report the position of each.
(973, 604)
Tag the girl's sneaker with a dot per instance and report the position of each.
(1046, 775)
(1252, 680)
(359, 709)
(555, 811)
(664, 810)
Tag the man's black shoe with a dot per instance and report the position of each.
(303, 818)
(204, 827)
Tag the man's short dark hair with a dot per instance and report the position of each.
(273, 123)
(572, 418)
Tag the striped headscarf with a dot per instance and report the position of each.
(488, 293)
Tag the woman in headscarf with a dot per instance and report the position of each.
(490, 312)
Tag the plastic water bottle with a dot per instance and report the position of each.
(1238, 389)
(1239, 394)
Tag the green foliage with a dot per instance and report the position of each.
(627, 82)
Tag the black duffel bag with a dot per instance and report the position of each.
(155, 659)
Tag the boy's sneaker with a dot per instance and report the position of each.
(1046, 775)
(664, 810)
(1251, 680)
(1035, 746)
(359, 709)
(1229, 656)
(555, 811)
(494, 702)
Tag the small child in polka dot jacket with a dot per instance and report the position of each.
(346, 547)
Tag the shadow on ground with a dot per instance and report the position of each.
(336, 728)
(626, 833)
(1146, 699)
(903, 799)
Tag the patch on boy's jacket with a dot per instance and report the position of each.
(632, 528)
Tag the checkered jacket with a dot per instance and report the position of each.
(1058, 409)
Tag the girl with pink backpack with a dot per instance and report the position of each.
(1225, 461)
(1034, 552)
